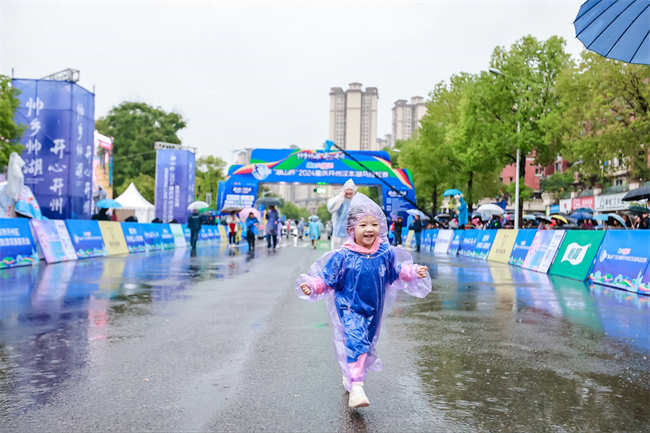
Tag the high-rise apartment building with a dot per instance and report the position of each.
(406, 117)
(387, 141)
(353, 117)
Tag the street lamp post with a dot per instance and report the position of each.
(498, 72)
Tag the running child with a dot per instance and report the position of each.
(359, 282)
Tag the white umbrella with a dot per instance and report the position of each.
(197, 205)
(490, 209)
(415, 212)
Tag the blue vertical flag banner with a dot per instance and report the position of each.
(622, 259)
(87, 238)
(17, 247)
(134, 235)
(484, 244)
(522, 246)
(175, 180)
(468, 244)
(59, 116)
(455, 242)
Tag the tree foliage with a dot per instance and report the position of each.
(209, 172)
(10, 131)
(557, 184)
(605, 116)
(323, 213)
(135, 127)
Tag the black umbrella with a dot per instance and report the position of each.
(269, 201)
(639, 210)
(642, 193)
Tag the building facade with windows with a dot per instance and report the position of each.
(353, 117)
(407, 117)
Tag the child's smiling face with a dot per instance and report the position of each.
(367, 231)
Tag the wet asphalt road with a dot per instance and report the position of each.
(220, 342)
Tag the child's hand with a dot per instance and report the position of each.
(422, 272)
(305, 289)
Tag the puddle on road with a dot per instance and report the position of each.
(504, 349)
(50, 314)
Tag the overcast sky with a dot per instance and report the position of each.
(258, 74)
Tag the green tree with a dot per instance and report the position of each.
(557, 184)
(209, 172)
(605, 117)
(323, 213)
(290, 210)
(372, 192)
(135, 127)
(145, 183)
(10, 131)
(524, 94)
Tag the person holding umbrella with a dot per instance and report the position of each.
(272, 217)
(194, 224)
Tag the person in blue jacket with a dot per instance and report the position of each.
(359, 281)
(463, 217)
(252, 223)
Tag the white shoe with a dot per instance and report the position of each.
(358, 396)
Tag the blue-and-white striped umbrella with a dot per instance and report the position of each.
(616, 29)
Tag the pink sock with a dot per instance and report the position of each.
(357, 368)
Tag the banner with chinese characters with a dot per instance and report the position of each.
(113, 238)
(59, 116)
(17, 247)
(522, 245)
(468, 244)
(86, 238)
(134, 236)
(318, 166)
(484, 244)
(443, 241)
(622, 259)
(152, 237)
(179, 236)
(175, 179)
(166, 236)
(455, 242)
(48, 236)
(576, 254)
(502, 246)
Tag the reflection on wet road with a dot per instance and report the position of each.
(216, 341)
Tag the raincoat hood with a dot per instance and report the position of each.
(361, 206)
(349, 184)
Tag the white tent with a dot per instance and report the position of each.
(132, 200)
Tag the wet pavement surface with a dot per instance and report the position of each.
(219, 342)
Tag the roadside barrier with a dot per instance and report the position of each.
(614, 258)
(26, 242)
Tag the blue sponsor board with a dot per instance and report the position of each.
(469, 241)
(187, 233)
(134, 235)
(203, 236)
(175, 180)
(166, 236)
(428, 239)
(17, 246)
(484, 244)
(86, 238)
(152, 237)
(524, 240)
(455, 242)
(622, 259)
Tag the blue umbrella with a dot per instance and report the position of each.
(452, 191)
(582, 216)
(583, 209)
(617, 30)
(108, 203)
(601, 217)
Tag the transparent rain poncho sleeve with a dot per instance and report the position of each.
(359, 290)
